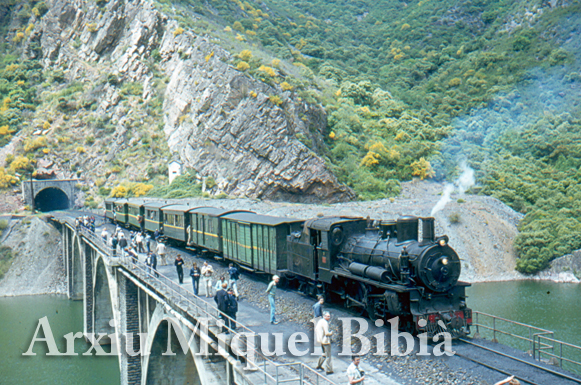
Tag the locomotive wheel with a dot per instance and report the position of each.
(357, 298)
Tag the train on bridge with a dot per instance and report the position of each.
(381, 269)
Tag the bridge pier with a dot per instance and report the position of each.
(129, 324)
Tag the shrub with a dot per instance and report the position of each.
(178, 31)
(454, 218)
(242, 66)
(119, 192)
(275, 99)
(285, 86)
(245, 55)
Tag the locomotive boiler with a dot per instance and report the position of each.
(386, 269)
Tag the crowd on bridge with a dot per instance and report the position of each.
(85, 221)
(224, 291)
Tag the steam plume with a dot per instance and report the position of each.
(463, 183)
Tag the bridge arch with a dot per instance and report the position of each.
(51, 198)
(103, 305)
(168, 369)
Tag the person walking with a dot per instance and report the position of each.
(114, 243)
(139, 242)
(148, 242)
(160, 250)
(318, 308)
(354, 374)
(221, 300)
(323, 336)
(220, 282)
(271, 291)
(179, 264)
(154, 264)
(207, 271)
(104, 234)
(122, 243)
(234, 277)
(148, 263)
(232, 308)
(195, 273)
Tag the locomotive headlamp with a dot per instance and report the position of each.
(445, 261)
(442, 242)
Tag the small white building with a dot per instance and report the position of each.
(174, 169)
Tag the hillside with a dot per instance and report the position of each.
(301, 101)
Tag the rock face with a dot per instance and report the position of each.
(564, 269)
(218, 120)
(38, 266)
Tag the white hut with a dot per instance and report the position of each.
(174, 169)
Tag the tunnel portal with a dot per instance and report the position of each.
(51, 199)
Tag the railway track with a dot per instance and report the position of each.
(525, 371)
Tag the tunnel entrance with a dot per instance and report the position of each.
(50, 199)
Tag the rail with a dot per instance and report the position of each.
(541, 341)
(273, 372)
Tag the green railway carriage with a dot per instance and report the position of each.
(257, 242)
(153, 215)
(135, 210)
(109, 204)
(176, 221)
(205, 230)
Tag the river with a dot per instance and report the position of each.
(548, 305)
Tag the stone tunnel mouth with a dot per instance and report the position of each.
(50, 199)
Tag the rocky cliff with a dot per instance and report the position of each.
(146, 91)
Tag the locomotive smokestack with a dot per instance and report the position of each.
(407, 228)
(428, 232)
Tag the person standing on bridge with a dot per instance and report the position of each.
(354, 374)
(160, 249)
(271, 291)
(234, 276)
(231, 308)
(179, 264)
(221, 299)
(323, 335)
(122, 243)
(195, 273)
(154, 264)
(104, 234)
(318, 308)
(139, 242)
(207, 271)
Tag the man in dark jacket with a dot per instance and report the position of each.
(231, 308)
(221, 299)
(179, 263)
(154, 264)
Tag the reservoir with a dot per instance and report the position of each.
(553, 306)
(19, 318)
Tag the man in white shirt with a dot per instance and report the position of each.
(160, 249)
(354, 374)
(207, 271)
(323, 335)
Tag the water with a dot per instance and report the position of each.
(19, 318)
(547, 305)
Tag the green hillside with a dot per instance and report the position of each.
(411, 89)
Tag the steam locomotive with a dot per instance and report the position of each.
(378, 269)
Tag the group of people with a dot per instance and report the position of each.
(226, 293)
(205, 274)
(88, 222)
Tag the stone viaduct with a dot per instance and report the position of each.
(141, 313)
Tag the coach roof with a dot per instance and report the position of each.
(215, 212)
(260, 219)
